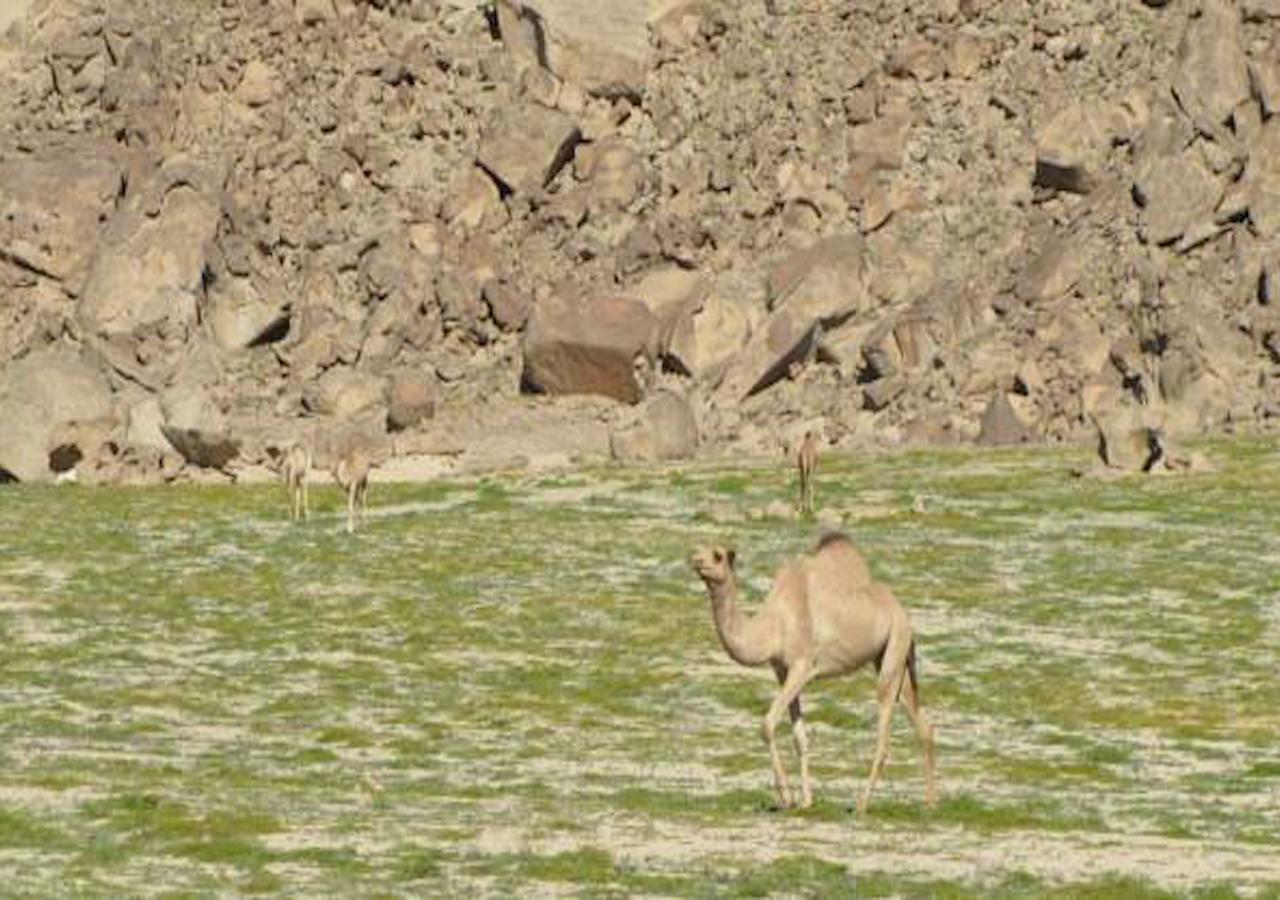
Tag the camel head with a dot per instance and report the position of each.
(714, 565)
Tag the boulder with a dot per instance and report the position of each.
(344, 393)
(1210, 72)
(783, 342)
(668, 291)
(673, 426)
(705, 335)
(615, 175)
(241, 315)
(149, 264)
(474, 203)
(524, 145)
(509, 306)
(1125, 440)
(1071, 148)
(1053, 272)
(587, 346)
(1262, 179)
(601, 45)
(1000, 425)
(258, 84)
(53, 202)
(1177, 194)
(196, 426)
(39, 394)
(666, 430)
(411, 398)
(822, 282)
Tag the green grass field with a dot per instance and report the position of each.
(512, 686)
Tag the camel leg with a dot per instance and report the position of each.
(306, 506)
(893, 671)
(801, 735)
(924, 731)
(793, 683)
(351, 509)
(364, 501)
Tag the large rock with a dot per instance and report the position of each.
(783, 342)
(411, 398)
(197, 427)
(1210, 73)
(667, 430)
(705, 336)
(52, 204)
(1177, 195)
(1262, 177)
(601, 45)
(674, 427)
(1126, 440)
(587, 346)
(525, 145)
(1071, 148)
(823, 281)
(149, 265)
(242, 313)
(40, 394)
(1053, 272)
(1000, 425)
(345, 393)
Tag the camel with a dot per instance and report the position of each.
(351, 472)
(807, 464)
(824, 616)
(294, 468)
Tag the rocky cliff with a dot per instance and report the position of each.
(576, 227)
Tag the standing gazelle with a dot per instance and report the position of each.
(351, 472)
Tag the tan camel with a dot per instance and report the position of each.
(294, 468)
(824, 616)
(807, 464)
(351, 472)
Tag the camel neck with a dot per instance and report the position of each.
(729, 621)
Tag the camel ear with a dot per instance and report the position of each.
(732, 556)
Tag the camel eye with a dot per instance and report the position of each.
(718, 555)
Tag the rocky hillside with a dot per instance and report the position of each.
(559, 229)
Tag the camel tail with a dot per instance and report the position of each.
(913, 670)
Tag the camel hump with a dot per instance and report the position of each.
(830, 538)
(836, 561)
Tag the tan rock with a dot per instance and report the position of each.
(38, 394)
(1053, 272)
(1177, 194)
(1262, 179)
(258, 84)
(602, 45)
(824, 281)
(1210, 76)
(525, 145)
(53, 203)
(587, 346)
(706, 335)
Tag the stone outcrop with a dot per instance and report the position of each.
(587, 346)
(39, 395)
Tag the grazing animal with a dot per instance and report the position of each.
(824, 616)
(807, 464)
(294, 469)
(351, 471)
